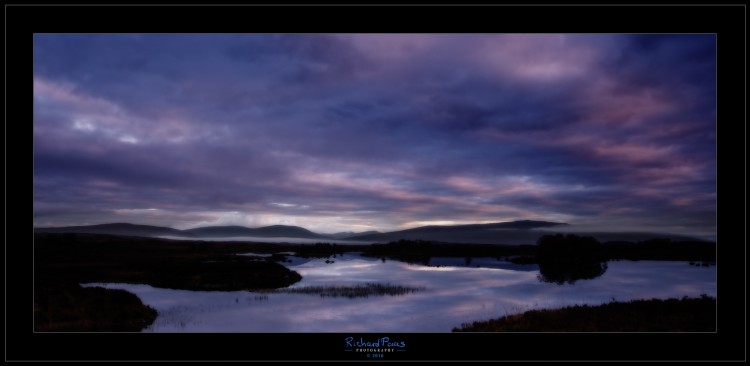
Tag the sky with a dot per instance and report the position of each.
(358, 132)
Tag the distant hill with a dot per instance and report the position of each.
(286, 231)
(349, 234)
(264, 232)
(117, 229)
(218, 231)
(519, 225)
(202, 232)
(634, 236)
(513, 232)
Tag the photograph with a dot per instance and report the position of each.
(359, 194)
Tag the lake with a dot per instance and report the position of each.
(448, 292)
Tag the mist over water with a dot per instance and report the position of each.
(273, 240)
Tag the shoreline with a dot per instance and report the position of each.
(63, 261)
(651, 315)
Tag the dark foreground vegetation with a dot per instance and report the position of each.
(83, 258)
(63, 261)
(66, 307)
(671, 315)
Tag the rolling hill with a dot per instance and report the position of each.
(350, 234)
(513, 232)
(202, 232)
(263, 232)
(117, 229)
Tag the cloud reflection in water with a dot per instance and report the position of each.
(453, 295)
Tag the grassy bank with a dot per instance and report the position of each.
(672, 315)
(81, 258)
(63, 261)
(72, 308)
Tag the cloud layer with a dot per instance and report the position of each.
(360, 132)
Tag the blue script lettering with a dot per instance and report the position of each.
(382, 342)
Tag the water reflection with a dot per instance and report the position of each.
(482, 262)
(366, 290)
(562, 272)
(452, 295)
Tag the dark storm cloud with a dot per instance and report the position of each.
(374, 131)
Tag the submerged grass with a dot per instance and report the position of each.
(365, 290)
(671, 315)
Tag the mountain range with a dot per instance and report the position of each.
(117, 229)
(262, 232)
(513, 232)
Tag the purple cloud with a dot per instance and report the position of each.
(366, 131)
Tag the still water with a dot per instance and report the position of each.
(452, 291)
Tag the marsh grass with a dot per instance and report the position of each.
(365, 290)
(670, 315)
